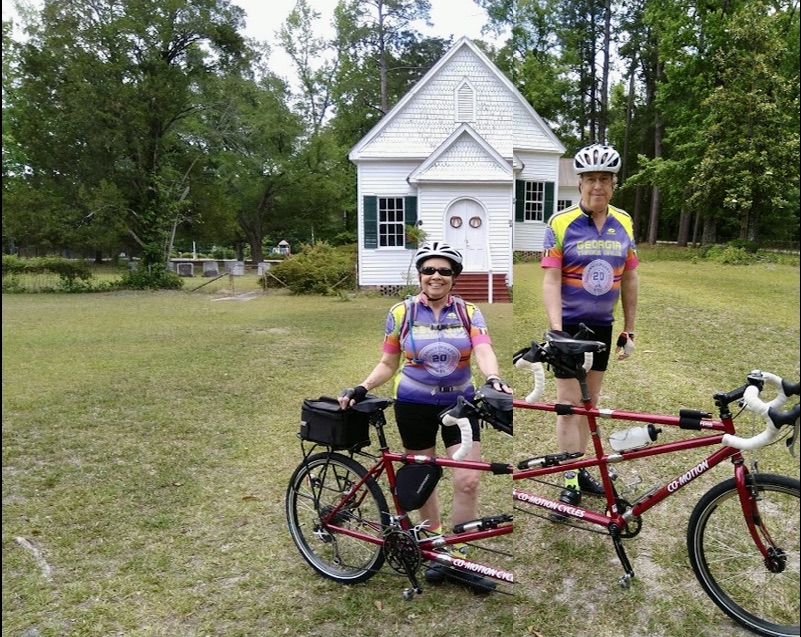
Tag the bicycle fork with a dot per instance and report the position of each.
(775, 558)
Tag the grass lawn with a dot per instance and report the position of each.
(148, 439)
(700, 329)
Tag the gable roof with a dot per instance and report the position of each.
(568, 177)
(460, 45)
(464, 156)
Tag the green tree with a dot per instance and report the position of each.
(371, 37)
(584, 34)
(749, 166)
(531, 57)
(103, 108)
(698, 73)
(315, 63)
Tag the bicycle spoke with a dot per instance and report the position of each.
(731, 569)
(315, 495)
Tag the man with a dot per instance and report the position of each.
(590, 261)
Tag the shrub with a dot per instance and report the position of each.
(730, 254)
(68, 269)
(317, 269)
(751, 247)
(153, 278)
(733, 253)
(221, 254)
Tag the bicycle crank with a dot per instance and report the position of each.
(402, 552)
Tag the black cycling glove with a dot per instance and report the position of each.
(356, 394)
(493, 380)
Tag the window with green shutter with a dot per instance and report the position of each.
(410, 218)
(385, 221)
(370, 239)
(520, 199)
(549, 191)
(534, 200)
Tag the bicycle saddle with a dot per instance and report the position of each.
(566, 344)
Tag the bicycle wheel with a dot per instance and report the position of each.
(316, 487)
(731, 569)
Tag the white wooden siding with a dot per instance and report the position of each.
(464, 157)
(568, 181)
(529, 134)
(529, 237)
(434, 201)
(390, 266)
(385, 179)
(431, 116)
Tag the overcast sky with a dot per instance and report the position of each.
(450, 17)
(264, 17)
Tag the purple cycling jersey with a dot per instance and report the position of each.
(436, 353)
(592, 262)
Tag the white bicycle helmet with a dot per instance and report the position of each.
(597, 158)
(438, 249)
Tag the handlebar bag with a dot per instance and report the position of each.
(497, 409)
(323, 421)
(502, 420)
(414, 483)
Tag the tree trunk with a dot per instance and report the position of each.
(255, 243)
(684, 228)
(696, 228)
(656, 199)
(709, 235)
(653, 217)
(656, 196)
(604, 97)
(684, 225)
(629, 115)
(639, 197)
(382, 59)
(748, 230)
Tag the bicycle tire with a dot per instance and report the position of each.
(318, 484)
(730, 568)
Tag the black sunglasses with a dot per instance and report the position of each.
(429, 270)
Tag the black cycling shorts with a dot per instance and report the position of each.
(600, 360)
(418, 426)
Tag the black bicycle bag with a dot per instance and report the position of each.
(323, 421)
(414, 483)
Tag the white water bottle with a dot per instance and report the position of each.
(633, 438)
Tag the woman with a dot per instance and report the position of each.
(428, 346)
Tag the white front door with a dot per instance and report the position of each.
(466, 230)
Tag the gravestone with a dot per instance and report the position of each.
(236, 268)
(185, 269)
(210, 268)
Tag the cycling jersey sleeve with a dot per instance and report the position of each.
(392, 329)
(551, 250)
(479, 333)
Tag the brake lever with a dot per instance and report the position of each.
(792, 441)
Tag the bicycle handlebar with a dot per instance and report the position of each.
(538, 370)
(489, 406)
(774, 419)
(532, 359)
(561, 352)
(466, 431)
